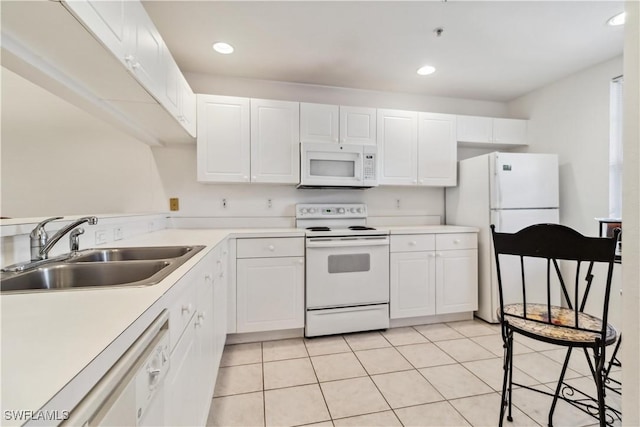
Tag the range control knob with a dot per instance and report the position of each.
(311, 210)
(359, 210)
(340, 210)
(303, 210)
(352, 210)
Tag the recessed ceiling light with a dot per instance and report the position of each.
(222, 47)
(425, 70)
(617, 19)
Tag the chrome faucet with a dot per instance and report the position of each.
(40, 242)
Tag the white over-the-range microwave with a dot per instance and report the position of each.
(325, 165)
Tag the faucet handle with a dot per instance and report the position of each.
(39, 230)
(74, 239)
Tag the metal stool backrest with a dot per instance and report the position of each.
(555, 243)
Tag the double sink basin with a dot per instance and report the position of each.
(91, 268)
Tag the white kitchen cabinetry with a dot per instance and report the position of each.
(397, 147)
(224, 153)
(247, 140)
(416, 148)
(437, 149)
(476, 130)
(126, 30)
(270, 288)
(337, 124)
(433, 274)
(197, 349)
(275, 149)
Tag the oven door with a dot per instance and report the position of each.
(347, 271)
(329, 165)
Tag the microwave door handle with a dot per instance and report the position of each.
(347, 243)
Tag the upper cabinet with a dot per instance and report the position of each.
(248, 140)
(223, 139)
(397, 147)
(126, 30)
(416, 148)
(275, 151)
(474, 130)
(337, 124)
(437, 149)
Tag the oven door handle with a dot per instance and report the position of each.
(349, 243)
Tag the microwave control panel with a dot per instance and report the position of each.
(369, 166)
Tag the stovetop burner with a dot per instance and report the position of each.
(360, 227)
(318, 229)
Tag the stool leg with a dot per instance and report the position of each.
(506, 364)
(559, 386)
(598, 376)
(510, 349)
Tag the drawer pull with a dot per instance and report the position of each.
(456, 241)
(271, 248)
(186, 308)
(413, 243)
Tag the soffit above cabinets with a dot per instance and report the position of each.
(46, 44)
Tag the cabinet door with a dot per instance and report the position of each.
(145, 49)
(223, 139)
(412, 284)
(205, 341)
(397, 147)
(510, 131)
(474, 129)
(275, 151)
(106, 19)
(270, 294)
(358, 125)
(181, 397)
(318, 123)
(456, 281)
(437, 149)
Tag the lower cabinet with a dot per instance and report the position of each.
(433, 275)
(195, 356)
(270, 284)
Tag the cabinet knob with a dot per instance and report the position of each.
(225, 252)
(135, 65)
(207, 277)
(431, 255)
(201, 316)
(335, 139)
(343, 140)
(186, 308)
(246, 178)
(128, 58)
(253, 178)
(415, 181)
(421, 181)
(456, 241)
(413, 243)
(271, 248)
(301, 261)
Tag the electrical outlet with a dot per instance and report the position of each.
(101, 237)
(174, 204)
(117, 233)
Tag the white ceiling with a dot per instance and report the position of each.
(490, 50)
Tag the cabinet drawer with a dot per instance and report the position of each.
(270, 247)
(413, 242)
(447, 242)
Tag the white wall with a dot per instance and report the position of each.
(631, 216)
(571, 118)
(59, 160)
(246, 203)
(217, 85)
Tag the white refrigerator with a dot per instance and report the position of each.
(512, 191)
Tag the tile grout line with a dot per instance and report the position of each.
(324, 399)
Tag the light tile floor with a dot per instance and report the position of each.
(429, 375)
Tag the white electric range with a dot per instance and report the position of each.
(347, 269)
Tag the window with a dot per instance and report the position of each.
(615, 149)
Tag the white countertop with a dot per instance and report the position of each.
(49, 338)
(59, 338)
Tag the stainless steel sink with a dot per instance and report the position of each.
(139, 253)
(95, 268)
(65, 276)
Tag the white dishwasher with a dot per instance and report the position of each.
(131, 392)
